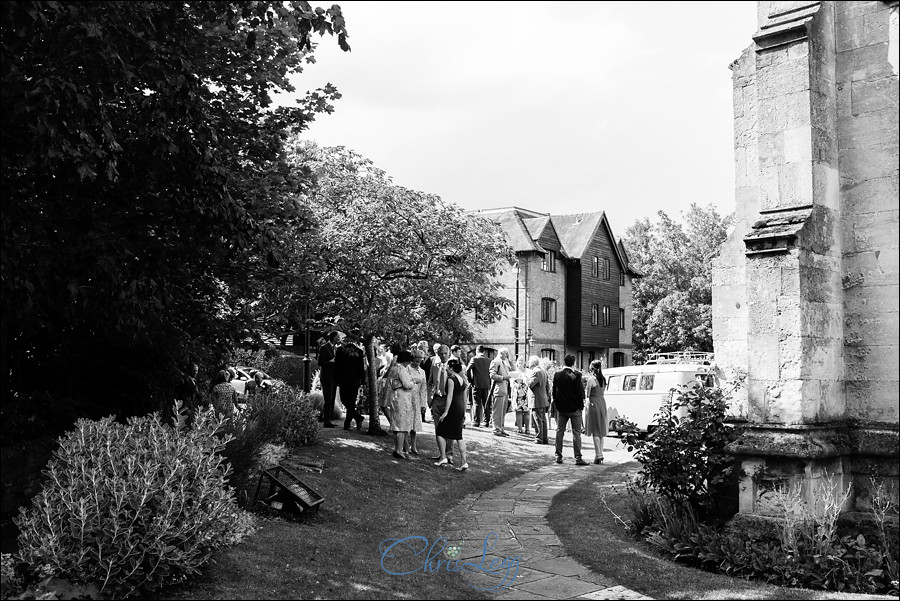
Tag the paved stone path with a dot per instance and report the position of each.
(495, 527)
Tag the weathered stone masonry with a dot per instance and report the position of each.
(805, 290)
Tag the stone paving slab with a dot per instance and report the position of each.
(614, 592)
(557, 587)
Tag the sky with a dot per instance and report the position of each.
(562, 107)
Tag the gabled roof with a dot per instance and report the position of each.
(535, 226)
(576, 232)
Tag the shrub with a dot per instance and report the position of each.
(685, 459)
(133, 506)
(289, 369)
(248, 437)
(255, 359)
(296, 411)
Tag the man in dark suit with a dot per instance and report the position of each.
(479, 376)
(349, 374)
(325, 358)
(568, 394)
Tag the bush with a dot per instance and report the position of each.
(132, 507)
(248, 437)
(685, 459)
(289, 369)
(296, 411)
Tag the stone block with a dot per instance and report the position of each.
(826, 179)
(822, 358)
(790, 357)
(834, 397)
(844, 105)
(865, 328)
(824, 320)
(876, 401)
(772, 115)
(795, 184)
(871, 362)
(867, 62)
(861, 30)
(874, 162)
(798, 144)
(872, 268)
(871, 232)
(819, 285)
(781, 76)
(785, 402)
(790, 282)
(868, 129)
(849, 10)
(868, 96)
(871, 300)
(757, 409)
(763, 356)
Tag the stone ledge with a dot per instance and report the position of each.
(807, 443)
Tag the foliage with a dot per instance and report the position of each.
(257, 359)
(132, 507)
(145, 186)
(672, 302)
(395, 263)
(289, 369)
(248, 440)
(298, 422)
(684, 459)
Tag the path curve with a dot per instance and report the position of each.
(509, 522)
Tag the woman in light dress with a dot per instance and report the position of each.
(520, 399)
(419, 396)
(400, 388)
(596, 423)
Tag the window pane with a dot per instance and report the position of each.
(621, 319)
(614, 383)
(630, 383)
(646, 383)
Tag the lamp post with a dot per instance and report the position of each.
(307, 377)
(529, 343)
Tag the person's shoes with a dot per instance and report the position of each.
(397, 455)
(414, 452)
(436, 458)
(328, 425)
(359, 421)
(450, 460)
(598, 460)
(558, 459)
(442, 462)
(463, 467)
(581, 461)
(519, 431)
(500, 433)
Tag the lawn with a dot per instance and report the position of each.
(596, 538)
(369, 497)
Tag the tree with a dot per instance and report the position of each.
(673, 301)
(397, 263)
(143, 170)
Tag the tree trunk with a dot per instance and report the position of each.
(374, 410)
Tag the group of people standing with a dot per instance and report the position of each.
(413, 381)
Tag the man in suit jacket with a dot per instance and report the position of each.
(325, 358)
(500, 375)
(349, 374)
(478, 372)
(539, 385)
(568, 394)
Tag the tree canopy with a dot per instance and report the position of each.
(673, 301)
(143, 169)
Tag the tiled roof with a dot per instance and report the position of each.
(511, 223)
(536, 225)
(575, 231)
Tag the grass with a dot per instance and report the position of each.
(369, 497)
(587, 518)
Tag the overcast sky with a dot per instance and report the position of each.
(561, 107)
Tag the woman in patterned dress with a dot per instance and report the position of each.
(419, 396)
(402, 419)
(224, 396)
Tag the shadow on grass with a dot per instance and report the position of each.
(369, 497)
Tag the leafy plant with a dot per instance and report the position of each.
(685, 459)
(132, 507)
(296, 411)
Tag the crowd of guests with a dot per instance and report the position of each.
(456, 389)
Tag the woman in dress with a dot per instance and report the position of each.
(224, 396)
(520, 398)
(596, 424)
(419, 396)
(401, 403)
(450, 423)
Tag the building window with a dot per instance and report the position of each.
(548, 310)
(595, 267)
(618, 359)
(606, 315)
(579, 360)
(621, 278)
(591, 357)
(548, 353)
(548, 263)
(621, 319)
(595, 314)
(606, 269)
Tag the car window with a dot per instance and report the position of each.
(242, 375)
(630, 383)
(646, 382)
(614, 383)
